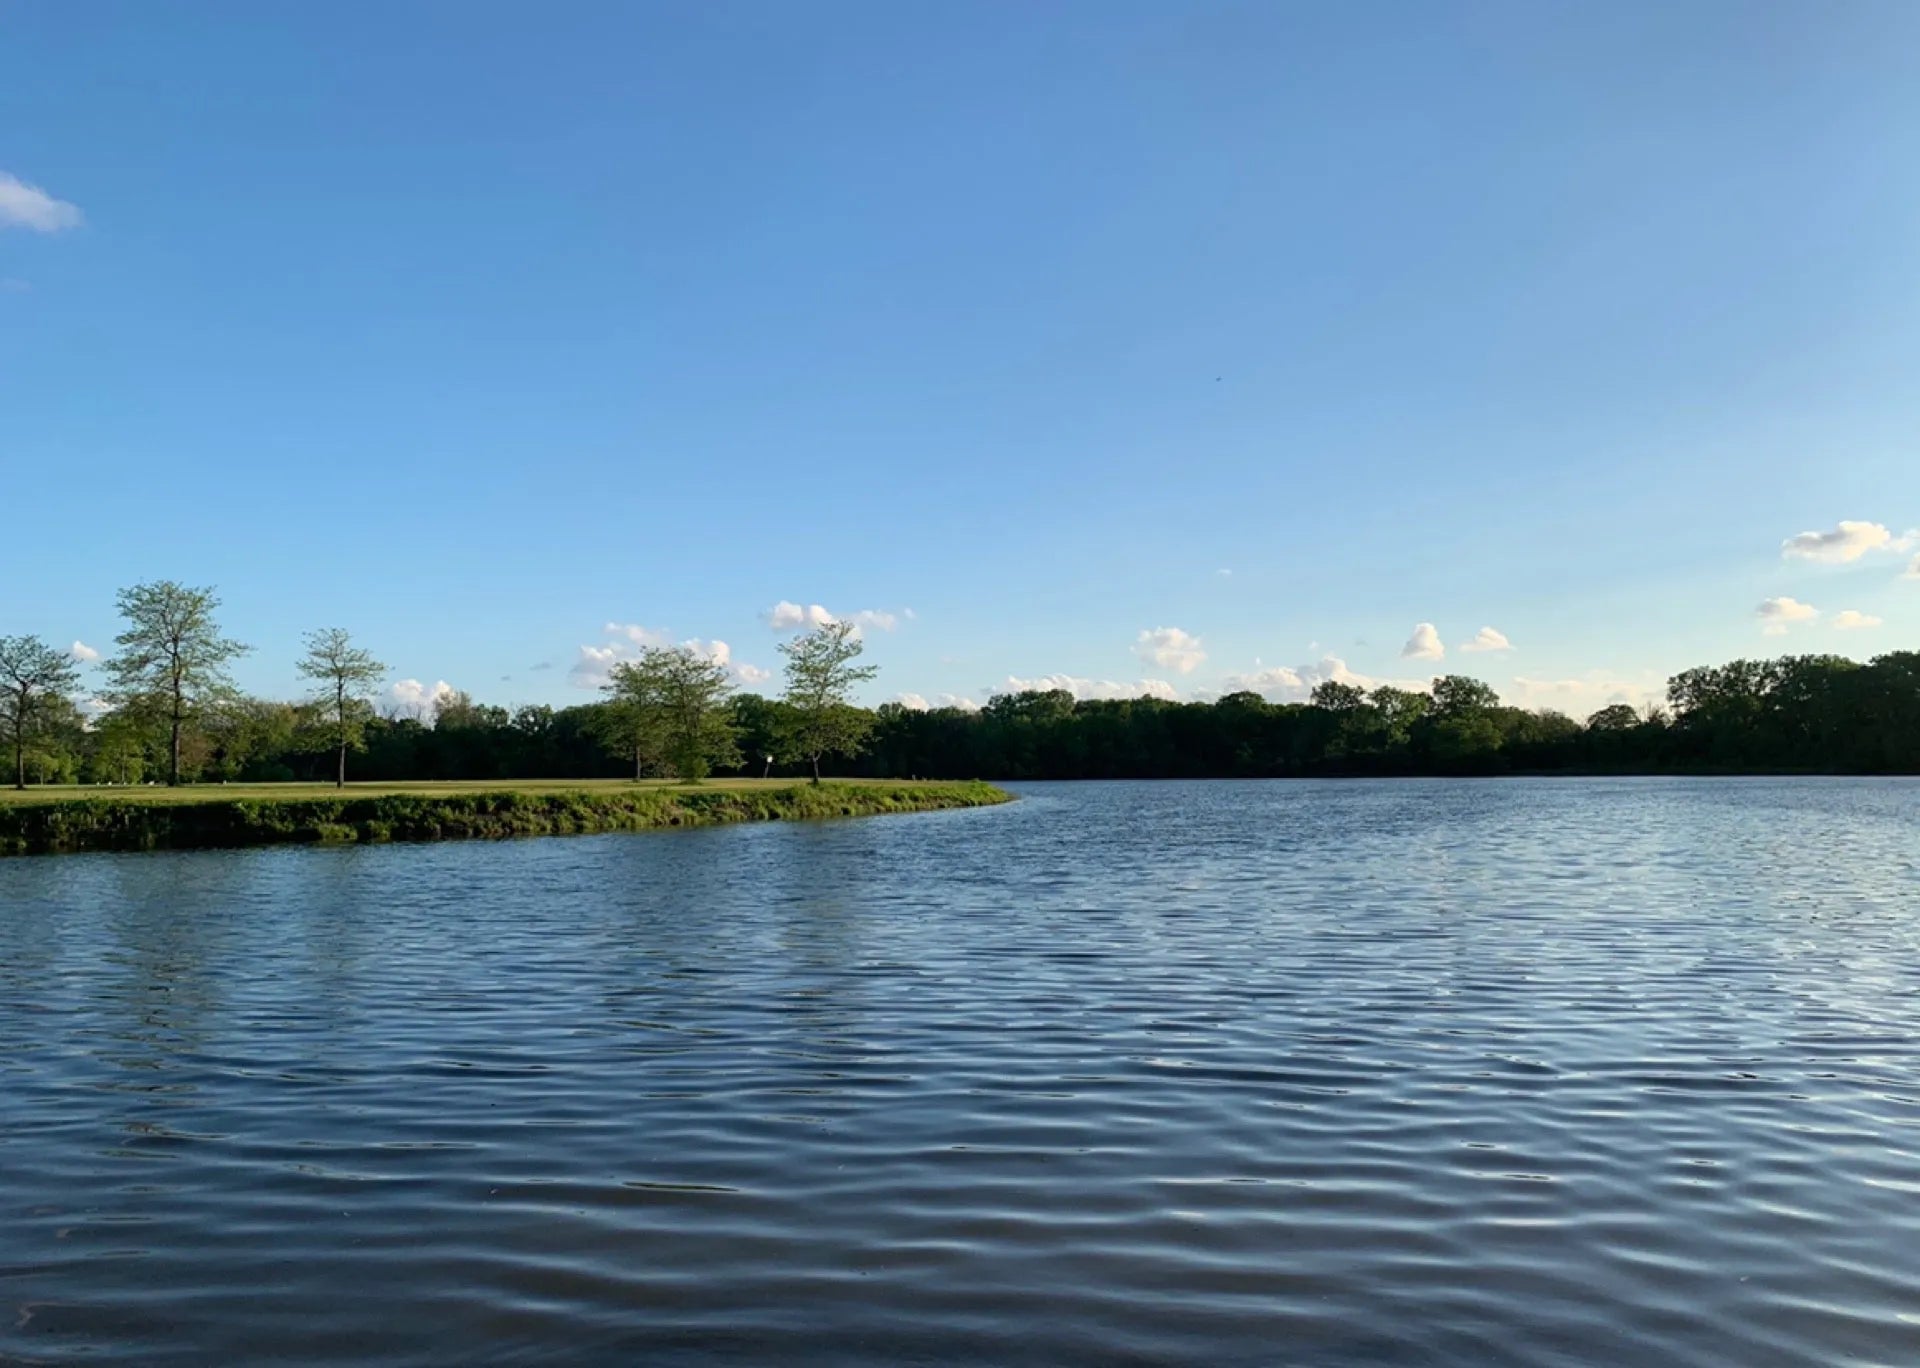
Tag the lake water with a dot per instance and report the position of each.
(1541, 1072)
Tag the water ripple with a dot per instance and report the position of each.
(1535, 1072)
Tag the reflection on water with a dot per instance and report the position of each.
(1457, 1073)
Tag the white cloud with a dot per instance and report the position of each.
(83, 652)
(1776, 613)
(638, 635)
(1293, 683)
(786, 616)
(722, 654)
(1912, 571)
(1583, 696)
(593, 667)
(1424, 644)
(919, 703)
(1170, 648)
(28, 206)
(1487, 639)
(1847, 542)
(1849, 619)
(1090, 688)
(411, 698)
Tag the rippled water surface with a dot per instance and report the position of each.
(1417, 1072)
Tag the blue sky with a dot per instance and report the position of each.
(1267, 331)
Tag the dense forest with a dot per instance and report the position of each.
(1797, 713)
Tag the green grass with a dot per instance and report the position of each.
(58, 819)
(203, 793)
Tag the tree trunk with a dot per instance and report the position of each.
(173, 774)
(340, 715)
(341, 782)
(639, 764)
(816, 769)
(20, 754)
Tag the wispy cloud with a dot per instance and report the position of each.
(1424, 644)
(28, 206)
(1170, 648)
(1777, 613)
(1487, 639)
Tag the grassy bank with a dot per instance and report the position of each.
(62, 820)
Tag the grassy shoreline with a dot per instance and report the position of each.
(35, 823)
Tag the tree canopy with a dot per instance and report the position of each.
(821, 678)
(172, 659)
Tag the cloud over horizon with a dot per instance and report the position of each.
(411, 698)
(1089, 689)
(787, 616)
(28, 206)
(1487, 639)
(1170, 648)
(593, 666)
(1850, 619)
(1424, 644)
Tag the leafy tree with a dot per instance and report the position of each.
(630, 722)
(821, 677)
(1457, 695)
(672, 702)
(1615, 717)
(343, 676)
(1337, 697)
(36, 679)
(173, 660)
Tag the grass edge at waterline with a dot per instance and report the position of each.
(131, 821)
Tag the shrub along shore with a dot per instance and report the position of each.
(163, 819)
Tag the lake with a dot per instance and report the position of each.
(1400, 1072)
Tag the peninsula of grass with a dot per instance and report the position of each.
(60, 820)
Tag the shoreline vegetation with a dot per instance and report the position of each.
(170, 712)
(71, 821)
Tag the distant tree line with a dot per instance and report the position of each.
(176, 717)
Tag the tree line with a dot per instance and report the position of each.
(174, 712)
(673, 711)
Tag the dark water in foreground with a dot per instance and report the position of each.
(1421, 1072)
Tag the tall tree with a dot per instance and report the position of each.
(672, 702)
(34, 675)
(821, 676)
(172, 657)
(344, 676)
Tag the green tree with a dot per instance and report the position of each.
(629, 723)
(1459, 695)
(173, 660)
(821, 676)
(343, 676)
(1615, 717)
(36, 678)
(672, 702)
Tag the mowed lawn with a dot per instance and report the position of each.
(206, 793)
